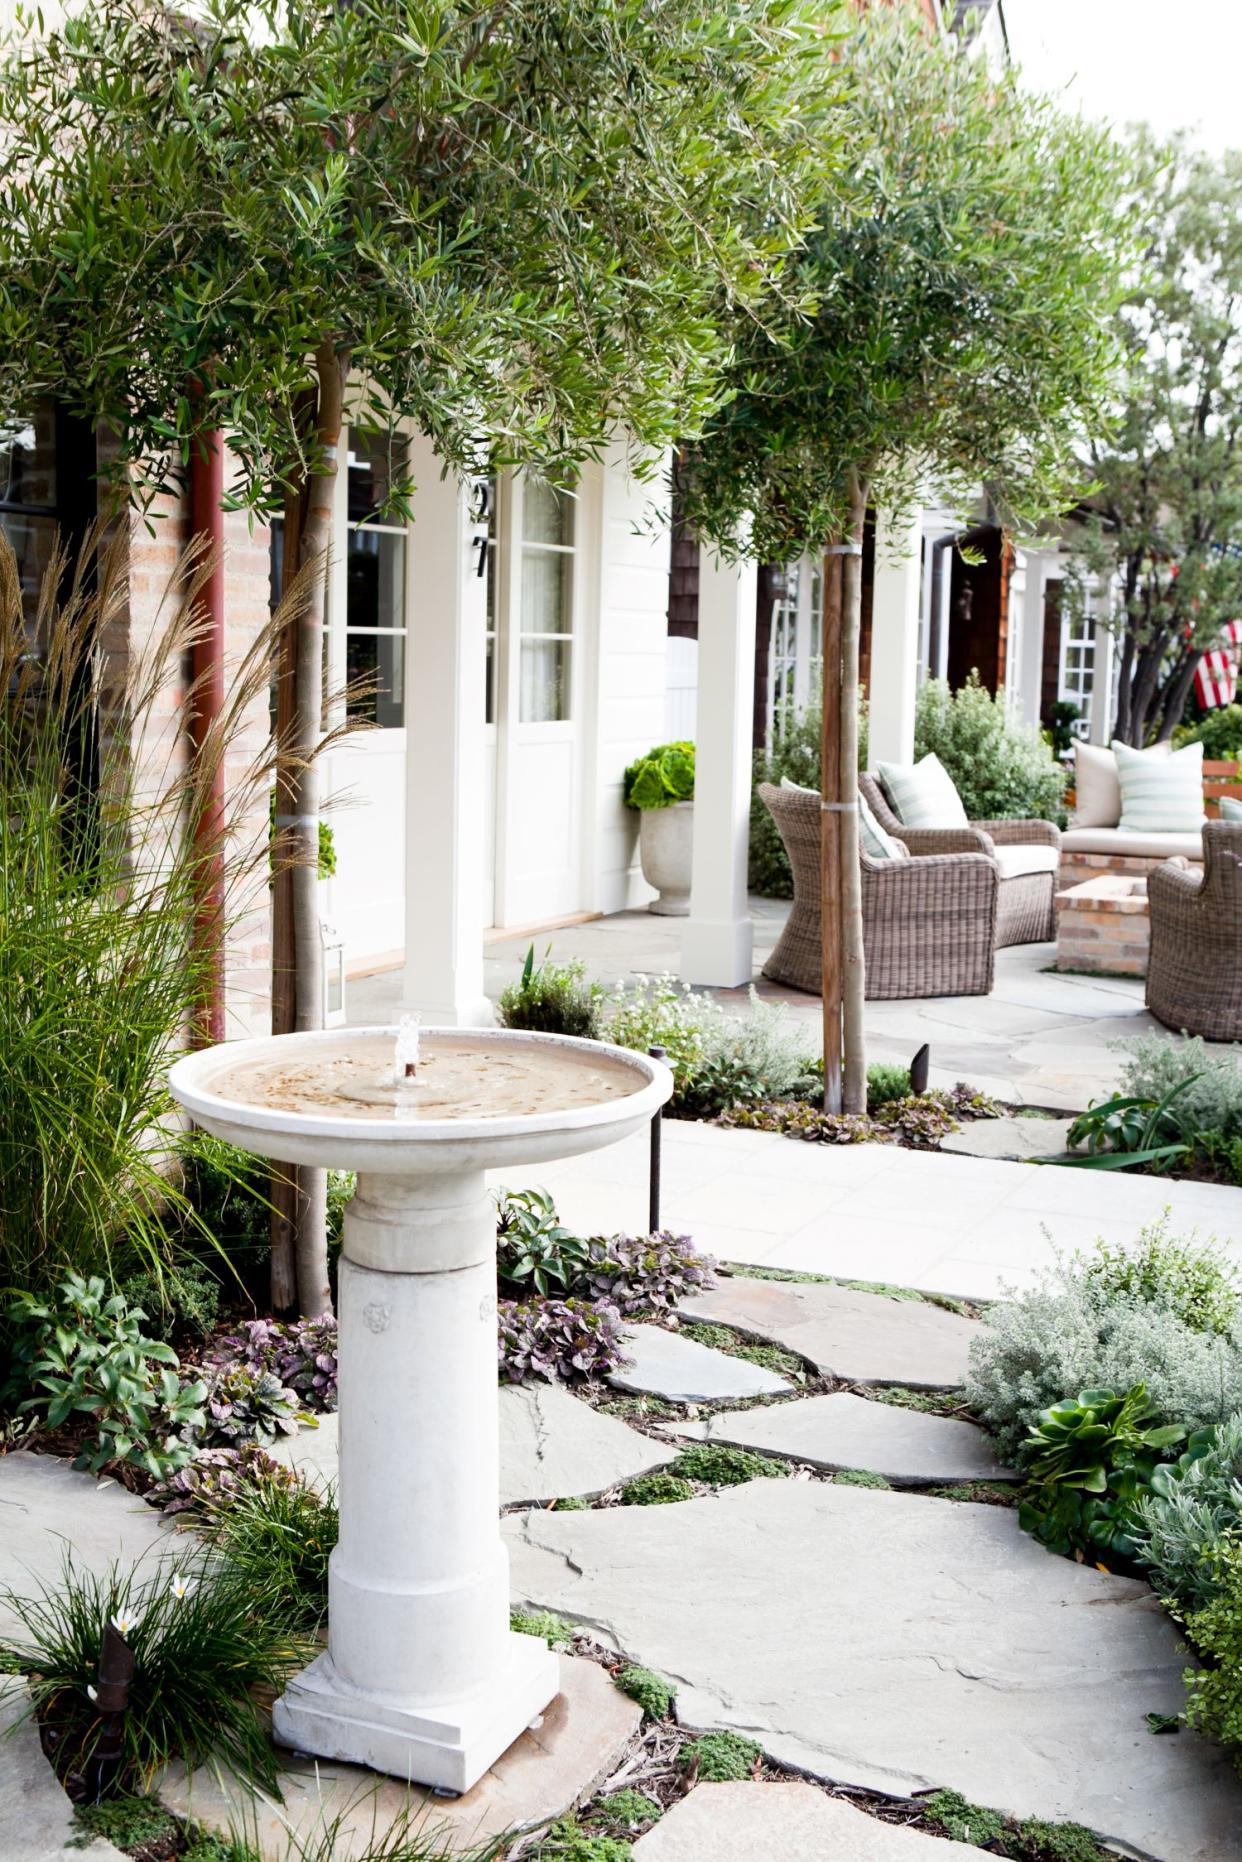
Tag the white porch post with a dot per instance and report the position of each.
(444, 799)
(718, 937)
(1030, 662)
(896, 601)
(1102, 685)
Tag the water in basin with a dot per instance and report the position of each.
(457, 1078)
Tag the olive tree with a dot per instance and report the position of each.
(963, 270)
(1158, 558)
(513, 225)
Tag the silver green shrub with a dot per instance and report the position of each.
(1183, 1523)
(1156, 1063)
(1073, 1332)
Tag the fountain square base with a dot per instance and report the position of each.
(446, 1746)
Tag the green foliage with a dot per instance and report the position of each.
(1062, 715)
(246, 1404)
(959, 191)
(860, 1477)
(126, 1822)
(663, 776)
(1072, 1330)
(920, 1120)
(1091, 1460)
(569, 1841)
(533, 1251)
(556, 1632)
(1214, 1693)
(229, 1192)
(87, 1355)
(1195, 1280)
(645, 1273)
(721, 1758)
(578, 186)
(653, 1693)
(184, 1297)
(572, 1503)
(1124, 1131)
(559, 1340)
(885, 1084)
(1167, 463)
(1219, 731)
(1202, 1085)
(961, 1820)
(718, 1465)
(552, 998)
(202, 1641)
(718, 1060)
(1194, 1506)
(656, 1490)
(280, 1535)
(1000, 766)
(98, 971)
(627, 1812)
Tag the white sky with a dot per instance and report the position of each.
(1176, 64)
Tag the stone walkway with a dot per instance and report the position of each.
(1039, 1038)
(962, 1226)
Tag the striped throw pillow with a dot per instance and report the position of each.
(1160, 794)
(877, 842)
(922, 794)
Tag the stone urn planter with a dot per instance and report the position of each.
(666, 847)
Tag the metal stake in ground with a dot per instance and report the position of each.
(653, 1192)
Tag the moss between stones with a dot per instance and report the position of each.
(1033, 1840)
(556, 1632)
(715, 1464)
(651, 1691)
(859, 1477)
(656, 1490)
(721, 1758)
(724, 1338)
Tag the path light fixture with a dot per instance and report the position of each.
(920, 1068)
(116, 1672)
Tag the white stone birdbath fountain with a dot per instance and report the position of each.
(422, 1676)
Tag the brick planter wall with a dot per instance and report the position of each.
(1077, 868)
(1102, 925)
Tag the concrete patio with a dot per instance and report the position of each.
(1040, 1038)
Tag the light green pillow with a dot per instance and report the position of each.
(1160, 794)
(1230, 808)
(922, 794)
(877, 842)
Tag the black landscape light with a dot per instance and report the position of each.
(920, 1067)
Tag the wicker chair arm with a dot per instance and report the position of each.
(1174, 886)
(923, 842)
(902, 885)
(1021, 833)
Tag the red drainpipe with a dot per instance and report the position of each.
(207, 673)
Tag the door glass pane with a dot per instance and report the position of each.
(547, 592)
(376, 463)
(375, 573)
(545, 681)
(547, 514)
(379, 660)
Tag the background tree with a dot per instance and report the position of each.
(1159, 558)
(964, 269)
(510, 225)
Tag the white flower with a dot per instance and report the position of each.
(90, 1692)
(123, 1624)
(179, 1586)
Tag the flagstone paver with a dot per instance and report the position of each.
(48, 1508)
(858, 1337)
(36, 1818)
(783, 1823)
(900, 1643)
(844, 1431)
(1018, 1138)
(552, 1447)
(569, 1751)
(682, 1371)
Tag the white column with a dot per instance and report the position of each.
(896, 600)
(1030, 665)
(718, 937)
(444, 761)
(1102, 686)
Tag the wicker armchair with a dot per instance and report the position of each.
(1194, 969)
(1025, 912)
(929, 924)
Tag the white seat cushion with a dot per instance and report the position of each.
(1160, 794)
(1141, 846)
(922, 794)
(1027, 857)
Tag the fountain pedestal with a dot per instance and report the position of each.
(422, 1676)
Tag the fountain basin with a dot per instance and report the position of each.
(422, 1676)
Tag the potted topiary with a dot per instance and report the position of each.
(661, 786)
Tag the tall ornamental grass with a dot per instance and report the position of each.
(101, 878)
